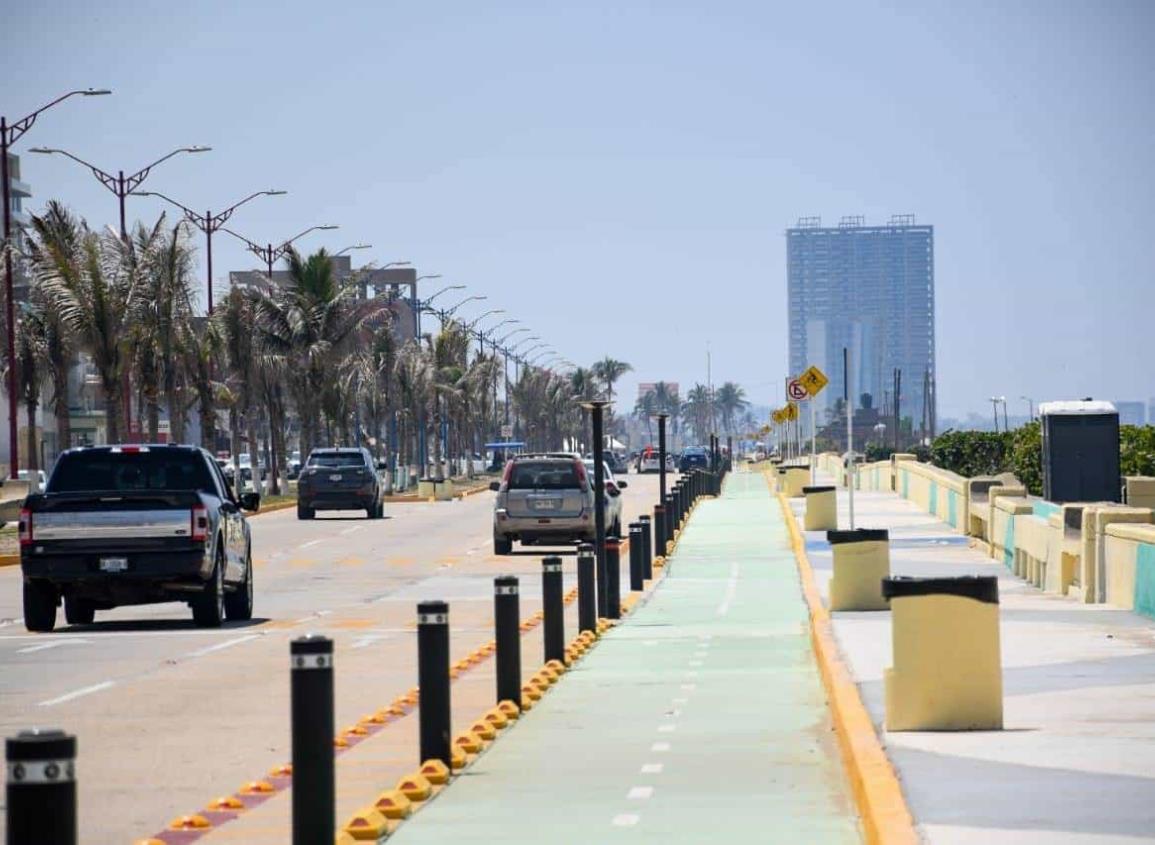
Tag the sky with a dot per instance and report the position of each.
(619, 175)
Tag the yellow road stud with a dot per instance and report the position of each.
(496, 718)
(468, 741)
(393, 804)
(415, 787)
(550, 672)
(398, 709)
(454, 674)
(367, 825)
(226, 804)
(484, 729)
(511, 710)
(285, 770)
(193, 822)
(526, 703)
(257, 787)
(344, 838)
(381, 717)
(340, 742)
(861, 561)
(947, 673)
(531, 692)
(557, 666)
(355, 730)
(149, 841)
(457, 758)
(435, 771)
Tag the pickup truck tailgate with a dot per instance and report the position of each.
(111, 525)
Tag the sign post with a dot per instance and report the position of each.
(850, 466)
(811, 382)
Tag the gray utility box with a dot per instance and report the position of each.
(1080, 452)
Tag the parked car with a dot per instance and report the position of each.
(121, 525)
(618, 462)
(340, 479)
(614, 487)
(549, 499)
(694, 458)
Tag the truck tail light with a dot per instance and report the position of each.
(200, 523)
(25, 527)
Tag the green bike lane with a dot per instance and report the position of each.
(701, 715)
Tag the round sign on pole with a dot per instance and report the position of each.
(795, 390)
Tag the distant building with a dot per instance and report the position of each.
(648, 386)
(20, 191)
(399, 283)
(869, 289)
(1131, 412)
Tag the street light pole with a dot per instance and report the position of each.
(120, 185)
(10, 133)
(271, 254)
(209, 223)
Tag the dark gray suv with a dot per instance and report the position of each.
(340, 479)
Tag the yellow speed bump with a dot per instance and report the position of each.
(379, 718)
(415, 787)
(193, 822)
(526, 703)
(285, 770)
(557, 666)
(393, 804)
(355, 730)
(226, 804)
(483, 729)
(457, 757)
(587, 637)
(367, 825)
(340, 742)
(511, 710)
(435, 771)
(547, 672)
(531, 692)
(538, 682)
(468, 742)
(496, 718)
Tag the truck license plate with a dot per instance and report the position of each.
(113, 564)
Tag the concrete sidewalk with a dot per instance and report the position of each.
(1076, 760)
(701, 717)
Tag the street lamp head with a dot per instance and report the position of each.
(197, 148)
(328, 227)
(429, 276)
(274, 193)
(96, 92)
(43, 150)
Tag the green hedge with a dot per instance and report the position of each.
(971, 453)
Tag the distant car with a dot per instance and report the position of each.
(340, 479)
(614, 487)
(36, 479)
(618, 462)
(648, 461)
(694, 458)
(549, 499)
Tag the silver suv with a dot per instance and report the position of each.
(549, 499)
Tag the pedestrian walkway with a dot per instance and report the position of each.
(701, 717)
(1076, 760)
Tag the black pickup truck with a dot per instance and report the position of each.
(121, 525)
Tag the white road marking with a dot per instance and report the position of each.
(660, 746)
(653, 768)
(731, 590)
(52, 644)
(6, 622)
(103, 685)
(640, 793)
(626, 819)
(352, 530)
(310, 543)
(201, 652)
(368, 640)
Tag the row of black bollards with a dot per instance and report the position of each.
(41, 785)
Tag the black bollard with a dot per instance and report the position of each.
(41, 794)
(647, 548)
(587, 600)
(636, 549)
(658, 549)
(614, 577)
(553, 605)
(433, 681)
(314, 782)
(671, 517)
(507, 630)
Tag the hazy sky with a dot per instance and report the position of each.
(619, 175)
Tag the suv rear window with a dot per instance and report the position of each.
(128, 472)
(543, 475)
(336, 459)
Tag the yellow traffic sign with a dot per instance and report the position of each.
(791, 411)
(813, 380)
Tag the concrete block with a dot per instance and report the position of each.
(861, 562)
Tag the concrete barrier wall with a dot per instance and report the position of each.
(1130, 559)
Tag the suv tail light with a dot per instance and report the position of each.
(25, 527)
(200, 523)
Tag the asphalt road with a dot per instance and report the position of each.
(169, 716)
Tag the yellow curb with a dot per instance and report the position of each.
(9, 560)
(279, 506)
(886, 818)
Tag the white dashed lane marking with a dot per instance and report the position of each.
(69, 696)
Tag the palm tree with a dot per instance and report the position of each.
(609, 370)
(31, 359)
(96, 303)
(644, 410)
(414, 377)
(697, 409)
(729, 401)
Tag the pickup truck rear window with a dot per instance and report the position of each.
(82, 472)
(543, 475)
